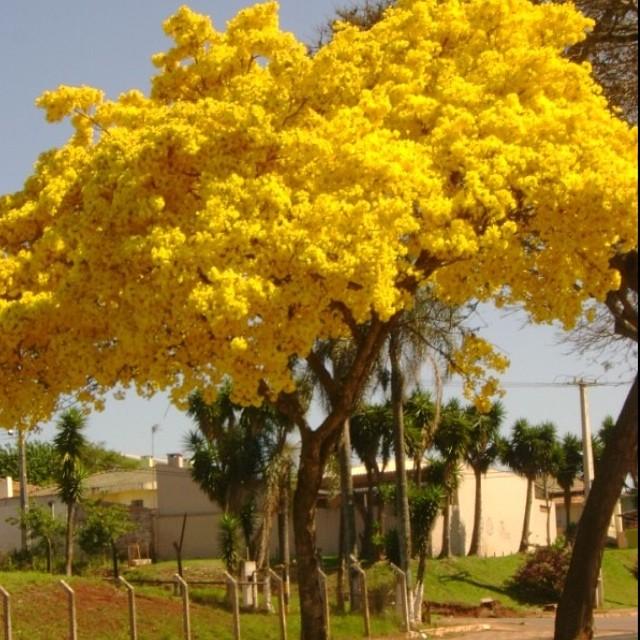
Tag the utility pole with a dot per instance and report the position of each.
(588, 466)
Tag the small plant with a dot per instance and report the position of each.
(229, 530)
(392, 546)
(542, 577)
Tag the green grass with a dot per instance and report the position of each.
(39, 603)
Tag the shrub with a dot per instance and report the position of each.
(542, 577)
(392, 546)
(229, 532)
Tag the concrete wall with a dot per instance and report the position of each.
(10, 508)
(179, 494)
(503, 505)
(503, 514)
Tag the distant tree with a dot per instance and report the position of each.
(371, 439)
(70, 446)
(451, 441)
(425, 502)
(45, 529)
(482, 450)
(103, 526)
(233, 452)
(43, 461)
(422, 414)
(530, 453)
(569, 468)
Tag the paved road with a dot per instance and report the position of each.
(615, 627)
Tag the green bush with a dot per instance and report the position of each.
(542, 577)
(392, 546)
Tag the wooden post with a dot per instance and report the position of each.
(234, 604)
(322, 576)
(266, 591)
(186, 620)
(133, 628)
(365, 598)
(73, 625)
(6, 605)
(254, 589)
(281, 602)
(402, 581)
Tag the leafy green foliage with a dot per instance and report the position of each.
(542, 577)
(104, 524)
(532, 449)
(229, 530)
(42, 461)
(45, 529)
(424, 505)
(231, 447)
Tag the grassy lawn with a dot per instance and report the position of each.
(39, 603)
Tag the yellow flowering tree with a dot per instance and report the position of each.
(261, 199)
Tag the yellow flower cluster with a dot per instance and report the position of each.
(218, 225)
(474, 359)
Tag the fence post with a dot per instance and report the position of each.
(73, 625)
(234, 604)
(254, 589)
(186, 620)
(266, 591)
(365, 597)
(272, 575)
(6, 605)
(133, 628)
(402, 581)
(322, 576)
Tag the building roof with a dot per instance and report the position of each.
(112, 482)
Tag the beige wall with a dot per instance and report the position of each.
(503, 514)
(503, 504)
(178, 494)
(10, 507)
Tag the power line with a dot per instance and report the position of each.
(512, 384)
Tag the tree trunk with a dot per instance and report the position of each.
(68, 547)
(49, 555)
(524, 539)
(445, 551)
(347, 509)
(313, 625)
(367, 533)
(574, 618)
(402, 493)
(547, 503)
(474, 549)
(283, 535)
(114, 561)
(567, 509)
(24, 500)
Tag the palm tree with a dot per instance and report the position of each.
(482, 450)
(423, 415)
(569, 468)
(236, 450)
(451, 441)
(529, 453)
(70, 444)
(371, 439)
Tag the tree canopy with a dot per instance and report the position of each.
(261, 198)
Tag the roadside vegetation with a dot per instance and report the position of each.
(102, 607)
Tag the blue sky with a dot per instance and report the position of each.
(109, 45)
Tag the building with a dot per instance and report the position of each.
(503, 514)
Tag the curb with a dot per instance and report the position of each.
(439, 632)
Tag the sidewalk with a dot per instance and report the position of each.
(621, 625)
